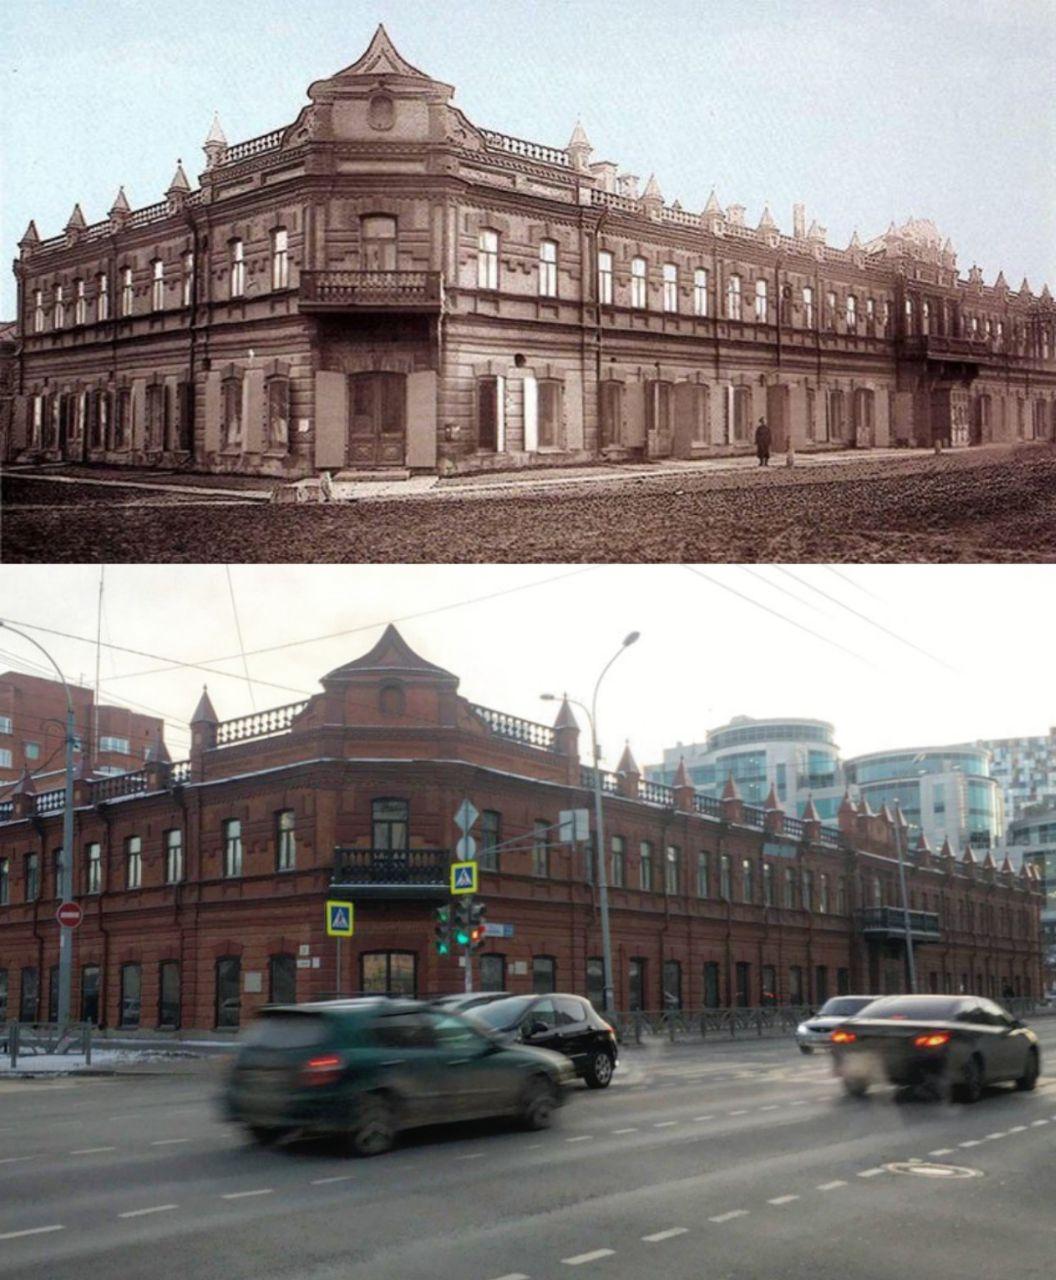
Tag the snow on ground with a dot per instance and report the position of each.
(61, 1063)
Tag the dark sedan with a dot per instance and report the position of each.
(567, 1024)
(950, 1045)
(368, 1068)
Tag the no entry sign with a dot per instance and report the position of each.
(69, 914)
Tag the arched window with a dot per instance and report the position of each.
(38, 310)
(547, 269)
(672, 869)
(747, 880)
(391, 699)
(59, 310)
(157, 285)
(638, 282)
(488, 259)
(187, 286)
(700, 292)
(605, 278)
(237, 252)
(378, 242)
(280, 258)
(733, 298)
(725, 886)
(102, 297)
(760, 301)
(80, 303)
(670, 287)
(851, 313)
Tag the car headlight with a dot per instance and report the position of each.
(801, 1030)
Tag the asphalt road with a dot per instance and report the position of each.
(732, 1160)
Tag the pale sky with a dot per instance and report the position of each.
(705, 653)
(864, 111)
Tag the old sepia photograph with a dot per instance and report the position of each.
(529, 281)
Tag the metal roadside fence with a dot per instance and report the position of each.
(35, 1039)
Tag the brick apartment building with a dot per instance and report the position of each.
(203, 882)
(33, 732)
(384, 284)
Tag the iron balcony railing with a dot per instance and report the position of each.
(610, 782)
(121, 784)
(261, 724)
(343, 290)
(399, 871)
(890, 922)
(656, 793)
(528, 732)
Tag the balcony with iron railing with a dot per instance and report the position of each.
(322, 291)
(883, 923)
(392, 873)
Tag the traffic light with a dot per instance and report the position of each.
(462, 922)
(477, 932)
(442, 928)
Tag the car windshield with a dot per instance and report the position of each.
(843, 1006)
(286, 1031)
(913, 1009)
(502, 1014)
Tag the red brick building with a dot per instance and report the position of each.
(203, 882)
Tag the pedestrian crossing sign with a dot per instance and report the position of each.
(339, 919)
(463, 877)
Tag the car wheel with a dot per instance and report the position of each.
(1031, 1070)
(373, 1128)
(969, 1088)
(266, 1135)
(599, 1071)
(538, 1103)
(855, 1087)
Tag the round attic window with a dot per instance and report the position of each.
(381, 112)
(391, 700)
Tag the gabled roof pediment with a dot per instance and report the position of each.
(382, 58)
(391, 653)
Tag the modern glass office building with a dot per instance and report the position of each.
(1033, 836)
(946, 792)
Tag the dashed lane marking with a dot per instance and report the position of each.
(513, 1275)
(1018, 1128)
(577, 1260)
(870, 1173)
(782, 1199)
(582, 1137)
(154, 1208)
(1036, 1124)
(665, 1124)
(669, 1234)
(479, 1155)
(699, 1118)
(726, 1217)
(16, 1159)
(31, 1231)
(941, 1151)
(622, 1131)
(241, 1195)
(737, 1113)
(799, 1102)
(168, 1142)
(91, 1151)
(993, 1137)
(831, 1186)
(772, 1107)
(341, 1177)
(972, 1142)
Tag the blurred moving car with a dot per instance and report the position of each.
(462, 1001)
(367, 1068)
(564, 1023)
(815, 1032)
(950, 1044)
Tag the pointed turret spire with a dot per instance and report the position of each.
(730, 791)
(922, 846)
(1000, 282)
(988, 862)
(204, 713)
(863, 809)
(121, 210)
(1006, 866)
(846, 808)
(30, 240)
(766, 222)
(579, 149)
(652, 189)
(215, 143)
(772, 801)
(76, 222)
(947, 850)
(810, 813)
(566, 718)
(627, 762)
(681, 774)
(713, 207)
(158, 753)
(855, 242)
(1046, 296)
(968, 858)
(1024, 288)
(179, 180)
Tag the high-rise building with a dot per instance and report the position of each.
(1025, 769)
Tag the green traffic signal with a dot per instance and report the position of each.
(462, 937)
(443, 947)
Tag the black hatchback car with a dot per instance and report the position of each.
(565, 1023)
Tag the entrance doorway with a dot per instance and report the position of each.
(377, 419)
(864, 421)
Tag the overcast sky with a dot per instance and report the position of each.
(865, 110)
(705, 653)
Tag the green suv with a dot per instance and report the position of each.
(368, 1068)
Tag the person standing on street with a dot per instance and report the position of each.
(762, 443)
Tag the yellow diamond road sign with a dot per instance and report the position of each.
(463, 877)
(339, 919)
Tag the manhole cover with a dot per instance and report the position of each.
(923, 1169)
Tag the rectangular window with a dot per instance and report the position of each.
(493, 972)
(59, 318)
(157, 285)
(670, 287)
(282, 979)
(760, 301)
(237, 268)
(550, 413)
(131, 995)
(133, 863)
(790, 889)
(29, 996)
(490, 827)
(232, 847)
(547, 269)
(636, 984)
(605, 278)
(93, 869)
(280, 259)
(830, 310)
(712, 993)
(544, 975)
(702, 875)
(672, 984)
(743, 972)
(156, 398)
(102, 297)
(638, 288)
(38, 310)
(286, 841)
(391, 972)
(127, 291)
(795, 984)
(32, 877)
(645, 865)
(231, 390)
(6, 758)
(488, 260)
(491, 425)
(90, 994)
(808, 308)
(596, 981)
(120, 746)
(228, 991)
(541, 848)
(5, 883)
(187, 279)
(823, 893)
(672, 859)
(700, 292)
(168, 994)
(619, 860)
(733, 298)
(725, 887)
(843, 981)
(173, 856)
(80, 304)
(7, 725)
(808, 891)
(851, 314)
(747, 880)
(278, 402)
(31, 750)
(821, 984)
(389, 824)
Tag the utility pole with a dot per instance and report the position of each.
(910, 961)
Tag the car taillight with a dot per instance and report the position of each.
(931, 1040)
(610, 1030)
(843, 1037)
(322, 1070)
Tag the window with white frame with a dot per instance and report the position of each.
(733, 298)
(702, 875)
(93, 868)
(280, 258)
(670, 287)
(909, 315)
(851, 313)
(237, 250)
(747, 880)
(830, 309)
(975, 327)
(285, 840)
(672, 872)
(232, 847)
(605, 277)
(120, 746)
(700, 292)
(231, 411)
(59, 310)
(619, 862)
(925, 316)
(278, 412)
(638, 282)
(80, 304)
(38, 310)
(102, 297)
(808, 307)
(870, 310)
(173, 855)
(547, 269)
(187, 278)
(6, 758)
(645, 865)
(157, 284)
(127, 291)
(6, 724)
(488, 259)
(134, 862)
(725, 879)
(760, 301)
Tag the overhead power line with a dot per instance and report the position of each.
(238, 632)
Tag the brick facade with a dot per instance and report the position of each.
(385, 339)
(392, 727)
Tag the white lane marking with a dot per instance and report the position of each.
(782, 1200)
(168, 1142)
(725, 1217)
(870, 1173)
(534, 1146)
(91, 1151)
(582, 1137)
(341, 1177)
(513, 1275)
(993, 1137)
(737, 1113)
(154, 1208)
(831, 1186)
(615, 1131)
(16, 1159)
(772, 1107)
(972, 1142)
(657, 1236)
(479, 1155)
(578, 1259)
(32, 1231)
(799, 1102)
(941, 1151)
(241, 1195)
(1018, 1128)
(1035, 1124)
(665, 1124)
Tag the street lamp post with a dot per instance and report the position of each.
(66, 854)
(591, 713)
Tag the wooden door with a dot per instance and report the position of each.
(377, 419)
